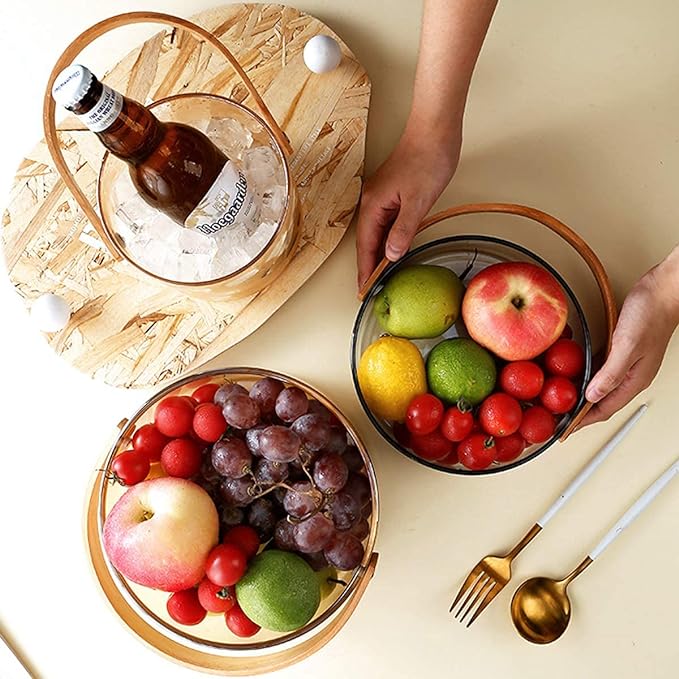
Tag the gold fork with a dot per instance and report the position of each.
(492, 573)
(487, 579)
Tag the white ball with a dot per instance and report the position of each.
(50, 313)
(322, 54)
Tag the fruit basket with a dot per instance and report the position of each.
(210, 645)
(467, 256)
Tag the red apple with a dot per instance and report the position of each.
(515, 309)
(160, 532)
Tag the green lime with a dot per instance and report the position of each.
(461, 369)
(279, 592)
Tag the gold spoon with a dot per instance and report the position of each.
(541, 609)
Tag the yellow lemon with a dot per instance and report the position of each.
(390, 373)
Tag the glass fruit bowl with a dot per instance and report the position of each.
(462, 253)
(210, 644)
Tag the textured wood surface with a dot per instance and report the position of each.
(127, 329)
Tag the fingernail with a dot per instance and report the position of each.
(392, 253)
(593, 394)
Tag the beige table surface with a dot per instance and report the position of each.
(574, 109)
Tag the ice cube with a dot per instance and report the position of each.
(263, 168)
(261, 237)
(192, 241)
(230, 135)
(156, 256)
(192, 267)
(273, 202)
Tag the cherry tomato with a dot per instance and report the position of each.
(567, 332)
(184, 607)
(147, 439)
(214, 598)
(401, 434)
(432, 446)
(205, 393)
(565, 358)
(522, 379)
(225, 565)
(130, 467)
(457, 424)
(449, 460)
(538, 424)
(182, 458)
(244, 537)
(508, 448)
(174, 416)
(477, 451)
(208, 422)
(559, 395)
(500, 414)
(239, 623)
(424, 414)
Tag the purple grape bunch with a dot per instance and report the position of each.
(287, 467)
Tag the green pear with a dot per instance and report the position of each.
(419, 301)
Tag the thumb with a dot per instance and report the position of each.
(403, 230)
(611, 374)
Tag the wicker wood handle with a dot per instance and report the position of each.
(234, 665)
(572, 238)
(89, 36)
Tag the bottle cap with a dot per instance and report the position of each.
(71, 85)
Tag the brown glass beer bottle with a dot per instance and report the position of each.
(175, 167)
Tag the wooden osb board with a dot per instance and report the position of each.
(128, 329)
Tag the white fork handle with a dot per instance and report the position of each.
(636, 509)
(591, 467)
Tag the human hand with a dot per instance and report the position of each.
(647, 320)
(401, 192)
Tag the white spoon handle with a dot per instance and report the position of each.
(636, 509)
(591, 467)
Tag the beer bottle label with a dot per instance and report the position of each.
(104, 113)
(228, 201)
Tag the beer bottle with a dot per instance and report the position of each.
(176, 168)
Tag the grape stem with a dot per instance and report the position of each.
(320, 499)
(112, 477)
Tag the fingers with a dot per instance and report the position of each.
(613, 371)
(404, 229)
(616, 400)
(373, 221)
(638, 378)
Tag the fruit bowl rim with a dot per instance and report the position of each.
(377, 423)
(127, 427)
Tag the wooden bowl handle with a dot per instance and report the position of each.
(77, 46)
(572, 238)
